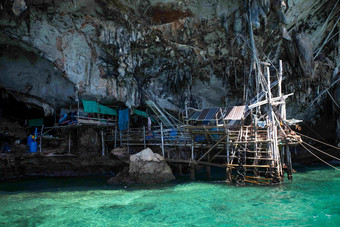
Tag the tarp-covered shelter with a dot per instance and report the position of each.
(94, 107)
(35, 122)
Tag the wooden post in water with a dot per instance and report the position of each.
(128, 139)
(289, 163)
(120, 138)
(228, 152)
(103, 142)
(192, 148)
(41, 136)
(162, 139)
(115, 137)
(208, 168)
(192, 169)
(69, 141)
(144, 137)
(192, 173)
(228, 169)
(180, 167)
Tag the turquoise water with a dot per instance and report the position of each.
(312, 199)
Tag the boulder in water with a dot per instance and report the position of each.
(147, 167)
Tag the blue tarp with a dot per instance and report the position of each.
(123, 119)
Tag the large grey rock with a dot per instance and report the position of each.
(19, 6)
(147, 167)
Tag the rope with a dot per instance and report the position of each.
(324, 92)
(318, 141)
(319, 157)
(321, 151)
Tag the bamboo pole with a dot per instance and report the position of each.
(180, 168)
(69, 141)
(228, 152)
(115, 137)
(192, 148)
(144, 137)
(120, 138)
(128, 139)
(41, 137)
(103, 142)
(192, 173)
(162, 139)
(283, 105)
(208, 168)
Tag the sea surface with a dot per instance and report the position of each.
(311, 199)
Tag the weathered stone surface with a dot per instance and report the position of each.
(179, 51)
(147, 167)
(13, 129)
(121, 153)
(89, 141)
(19, 6)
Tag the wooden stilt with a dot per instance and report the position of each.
(120, 138)
(289, 163)
(192, 173)
(128, 139)
(180, 169)
(228, 172)
(41, 137)
(69, 141)
(208, 168)
(103, 142)
(208, 171)
(115, 137)
(192, 148)
(162, 140)
(144, 141)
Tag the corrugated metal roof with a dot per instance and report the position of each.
(234, 113)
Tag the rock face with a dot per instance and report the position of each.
(175, 51)
(89, 141)
(147, 167)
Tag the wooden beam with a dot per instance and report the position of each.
(196, 162)
(248, 166)
(273, 100)
(219, 141)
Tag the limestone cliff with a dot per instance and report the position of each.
(175, 51)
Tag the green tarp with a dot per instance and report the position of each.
(94, 107)
(140, 113)
(35, 122)
(143, 114)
